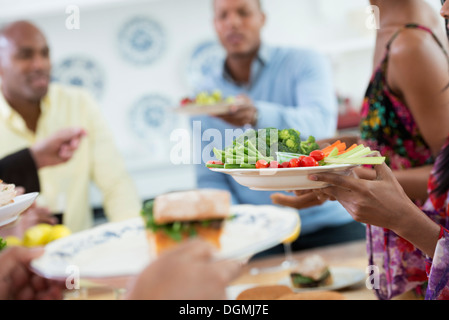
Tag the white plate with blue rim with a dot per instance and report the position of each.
(342, 277)
(10, 212)
(284, 179)
(111, 253)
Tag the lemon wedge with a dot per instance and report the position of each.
(12, 241)
(37, 235)
(294, 235)
(57, 232)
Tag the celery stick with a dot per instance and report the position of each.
(361, 153)
(297, 155)
(350, 152)
(286, 156)
(247, 166)
(362, 160)
(333, 153)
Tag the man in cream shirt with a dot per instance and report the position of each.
(31, 109)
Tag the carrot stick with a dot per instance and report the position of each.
(341, 147)
(331, 147)
(351, 147)
(348, 149)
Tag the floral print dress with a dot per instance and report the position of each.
(388, 125)
(437, 269)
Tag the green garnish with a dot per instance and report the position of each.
(2, 244)
(174, 230)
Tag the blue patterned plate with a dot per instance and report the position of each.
(120, 250)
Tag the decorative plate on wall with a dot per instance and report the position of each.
(152, 121)
(141, 40)
(206, 57)
(80, 71)
(149, 115)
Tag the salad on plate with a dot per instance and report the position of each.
(278, 160)
(271, 148)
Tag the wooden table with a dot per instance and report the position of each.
(351, 254)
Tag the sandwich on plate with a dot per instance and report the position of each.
(7, 193)
(311, 272)
(174, 217)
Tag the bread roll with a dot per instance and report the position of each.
(192, 205)
(201, 212)
(313, 295)
(268, 292)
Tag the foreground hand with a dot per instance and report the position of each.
(17, 282)
(187, 272)
(58, 148)
(31, 217)
(242, 113)
(378, 202)
(301, 199)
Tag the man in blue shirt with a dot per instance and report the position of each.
(276, 87)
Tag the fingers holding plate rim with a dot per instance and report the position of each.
(338, 180)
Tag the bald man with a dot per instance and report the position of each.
(32, 108)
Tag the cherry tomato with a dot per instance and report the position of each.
(215, 162)
(285, 164)
(261, 164)
(309, 162)
(274, 164)
(294, 163)
(186, 101)
(317, 154)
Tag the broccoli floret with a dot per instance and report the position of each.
(309, 145)
(269, 140)
(289, 139)
(282, 147)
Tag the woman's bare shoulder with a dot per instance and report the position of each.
(415, 44)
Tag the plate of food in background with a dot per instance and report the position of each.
(205, 103)
(11, 204)
(116, 251)
(313, 273)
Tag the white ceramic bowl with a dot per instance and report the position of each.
(12, 211)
